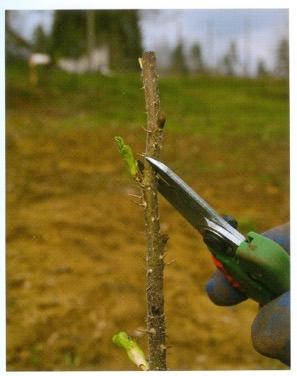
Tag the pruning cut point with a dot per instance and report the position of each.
(162, 347)
(152, 331)
(140, 62)
(150, 271)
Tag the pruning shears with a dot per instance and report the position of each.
(254, 264)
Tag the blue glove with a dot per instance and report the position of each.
(271, 328)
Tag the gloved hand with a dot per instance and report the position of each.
(271, 328)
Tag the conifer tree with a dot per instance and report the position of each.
(178, 63)
(197, 58)
(117, 29)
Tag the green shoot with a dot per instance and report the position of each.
(134, 352)
(127, 154)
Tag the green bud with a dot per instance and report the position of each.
(127, 154)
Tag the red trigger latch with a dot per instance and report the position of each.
(230, 279)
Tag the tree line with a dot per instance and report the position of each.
(76, 32)
(229, 64)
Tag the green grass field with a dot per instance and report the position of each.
(212, 106)
(75, 242)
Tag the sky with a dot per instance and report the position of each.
(256, 32)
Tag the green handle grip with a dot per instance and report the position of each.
(261, 266)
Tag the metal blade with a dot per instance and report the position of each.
(195, 210)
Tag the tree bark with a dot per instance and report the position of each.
(155, 240)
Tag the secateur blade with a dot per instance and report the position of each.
(193, 208)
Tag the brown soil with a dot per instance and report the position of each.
(75, 249)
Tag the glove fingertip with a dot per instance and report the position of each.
(271, 329)
(221, 292)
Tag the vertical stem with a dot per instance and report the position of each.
(155, 240)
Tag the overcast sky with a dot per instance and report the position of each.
(256, 32)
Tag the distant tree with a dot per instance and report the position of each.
(40, 40)
(262, 68)
(282, 59)
(91, 33)
(178, 63)
(230, 60)
(124, 39)
(118, 29)
(68, 36)
(197, 58)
